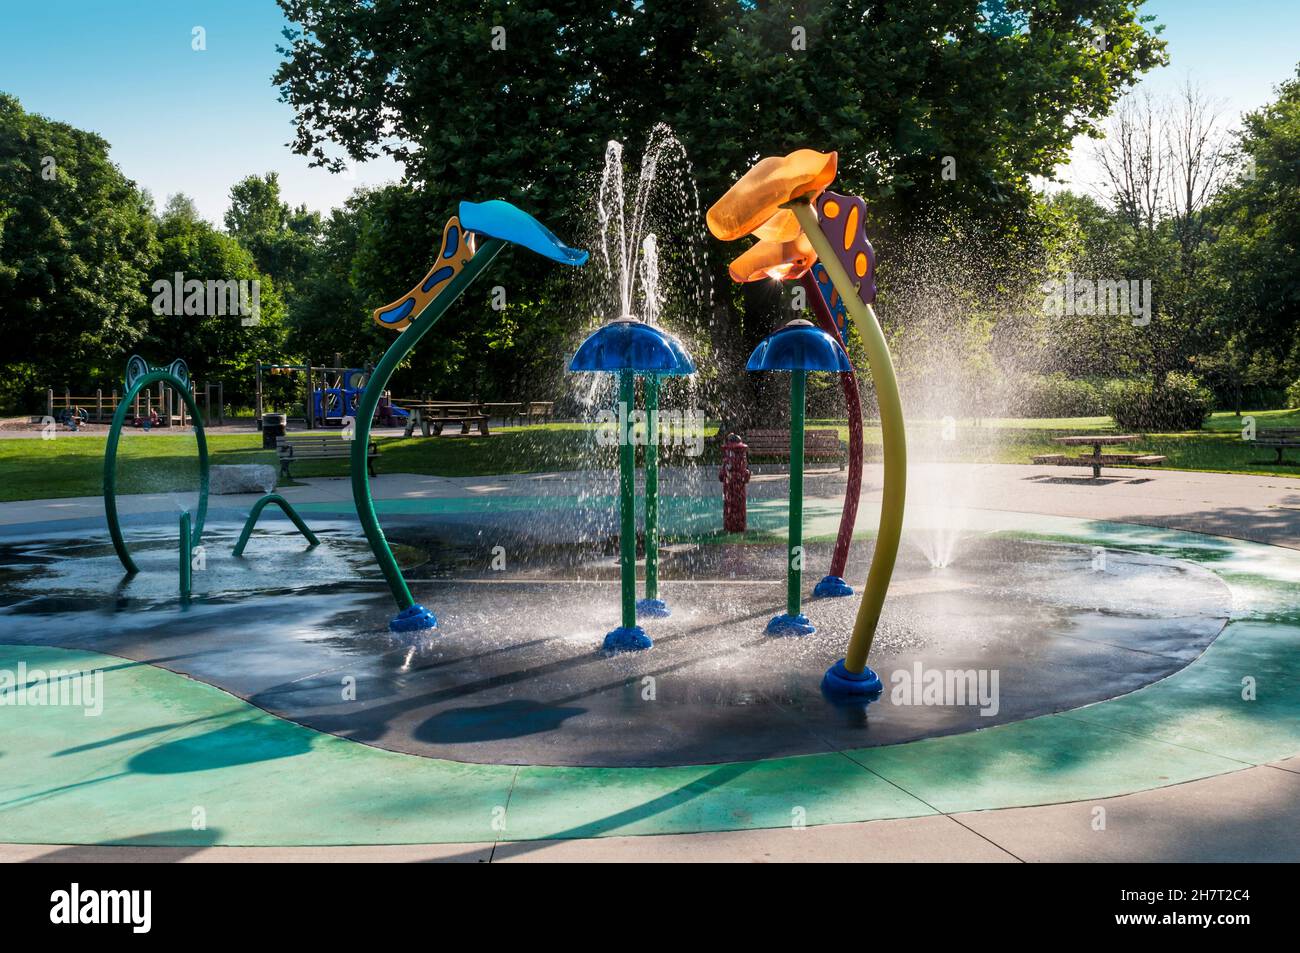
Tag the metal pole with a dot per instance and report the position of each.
(370, 400)
(893, 438)
(794, 573)
(185, 566)
(652, 487)
(627, 500)
(853, 487)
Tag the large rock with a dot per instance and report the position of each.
(244, 478)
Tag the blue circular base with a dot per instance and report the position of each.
(413, 619)
(786, 624)
(627, 639)
(840, 681)
(653, 609)
(830, 587)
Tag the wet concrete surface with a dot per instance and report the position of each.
(515, 674)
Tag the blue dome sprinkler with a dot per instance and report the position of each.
(627, 347)
(798, 347)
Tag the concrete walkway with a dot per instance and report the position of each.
(1260, 509)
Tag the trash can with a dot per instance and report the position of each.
(272, 427)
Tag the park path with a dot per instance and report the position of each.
(1264, 509)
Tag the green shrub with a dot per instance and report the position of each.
(1293, 396)
(1181, 403)
(1058, 396)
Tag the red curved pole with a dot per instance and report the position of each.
(853, 404)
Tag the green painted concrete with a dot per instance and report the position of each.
(167, 749)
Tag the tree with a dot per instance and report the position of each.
(76, 243)
(1257, 220)
(1164, 164)
(281, 239)
(217, 341)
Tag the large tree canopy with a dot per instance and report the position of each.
(941, 110)
(76, 243)
(216, 344)
(1258, 221)
(483, 99)
(282, 239)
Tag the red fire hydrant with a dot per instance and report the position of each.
(734, 475)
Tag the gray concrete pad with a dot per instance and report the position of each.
(1288, 764)
(104, 854)
(918, 839)
(1247, 816)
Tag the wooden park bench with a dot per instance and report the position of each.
(817, 445)
(536, 411)
(1097, 459)
(312, 446)
(1279, 439)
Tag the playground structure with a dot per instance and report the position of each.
(330, 394)
(516, 678)
(139, 375)
(775, 202)
(160, 402)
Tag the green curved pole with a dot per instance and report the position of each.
(289, 511)
(892, 435)
(110, 462)
(794, 568)
(365, 413)
(627, 500)
(652, 487)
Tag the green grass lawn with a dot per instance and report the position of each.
(156, 463)
(73, 466)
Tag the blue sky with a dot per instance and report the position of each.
(196, 121)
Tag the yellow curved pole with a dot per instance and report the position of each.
(891, 428)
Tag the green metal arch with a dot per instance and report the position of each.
(110, 461)
(289, 511)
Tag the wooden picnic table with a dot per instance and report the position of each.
(440, 412)
(1097, 441)
(444, 408)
